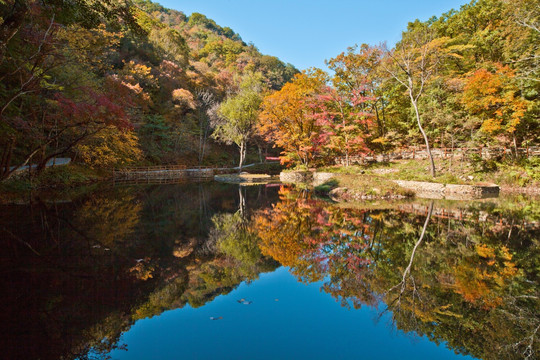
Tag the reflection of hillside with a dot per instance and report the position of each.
(472, 284)
(81, 272)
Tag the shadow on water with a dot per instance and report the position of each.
(77, 274)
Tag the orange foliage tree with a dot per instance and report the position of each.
(494, 97)
(287, 117)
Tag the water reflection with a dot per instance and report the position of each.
(467, 276)
(78, 274)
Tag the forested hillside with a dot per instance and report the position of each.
(113, 83)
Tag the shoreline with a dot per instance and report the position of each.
(372, 187)
(76, 178)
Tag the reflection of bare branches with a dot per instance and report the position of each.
(407, 272)
(527, 342)
(15, 237)
(241, 202)
(529, 325)
(529, 351)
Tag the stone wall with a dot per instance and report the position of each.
(457, 153)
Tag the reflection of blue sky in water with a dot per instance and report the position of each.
(305, 323)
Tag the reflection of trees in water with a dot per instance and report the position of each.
(106, 220)
(472, 284)
(408, 278)
(238, 255)
(108, 259)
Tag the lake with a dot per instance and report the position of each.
(218, 271)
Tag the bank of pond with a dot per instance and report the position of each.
(215, 270)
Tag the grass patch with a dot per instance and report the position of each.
(353, 169)
(326, 187)
(452, 171)
(371, 185)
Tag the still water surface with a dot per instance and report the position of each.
(304, 323)
(206, 271)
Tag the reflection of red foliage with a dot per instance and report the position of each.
(317, 240)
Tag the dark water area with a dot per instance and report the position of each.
(209, 270)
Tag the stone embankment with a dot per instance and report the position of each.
(313, 177)
(344, 194)
(296, 176)
(529, 190)
(419, 188)
(244, 178)
(450, 191)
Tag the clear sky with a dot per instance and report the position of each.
(306, 32)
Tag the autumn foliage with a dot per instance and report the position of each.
(493, 96)
(288, 117)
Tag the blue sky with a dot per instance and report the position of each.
(306, 32)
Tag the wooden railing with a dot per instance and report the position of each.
(151, 168)
(161, 172)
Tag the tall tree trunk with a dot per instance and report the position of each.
(452, 153)
(203, 139)
(6, 157)
(431, 162)
(242, 154)
(383, 117)
(200, 145)
(514, 141)
(379, 122)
